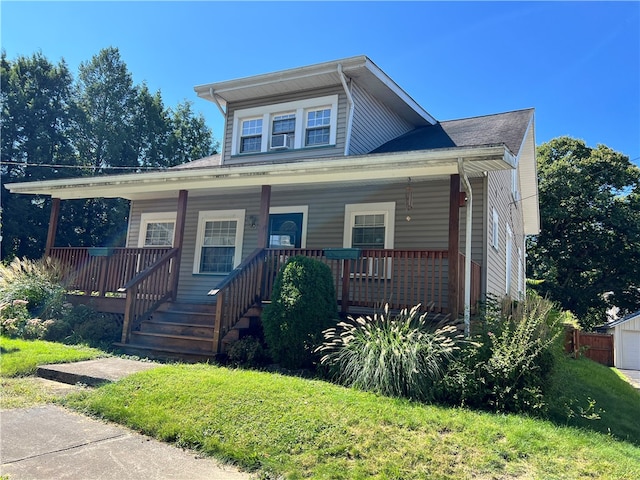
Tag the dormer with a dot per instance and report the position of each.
(343, 107)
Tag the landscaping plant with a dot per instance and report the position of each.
(508, 367)
(303, 304)
(400, 356)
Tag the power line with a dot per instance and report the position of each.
(93, 167)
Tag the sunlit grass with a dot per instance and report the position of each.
(21, 357)
(311, 429)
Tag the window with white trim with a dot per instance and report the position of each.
(219, 241)
(318, 127)
(520, 274)
(156, 229)
(508, 261)
(495, 235)
(291, 125)
(283, 131)
(251, 139)
(370, 226)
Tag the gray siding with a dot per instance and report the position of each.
(427, 229)
(499, 195)
(298, 154)
(373, 123)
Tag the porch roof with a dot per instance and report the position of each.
(207, 176)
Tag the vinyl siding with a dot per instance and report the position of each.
(499, 196)
(297, 154)
(373, 122)
(427, 229)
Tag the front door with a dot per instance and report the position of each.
(285, 230)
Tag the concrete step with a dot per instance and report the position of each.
(93, 372)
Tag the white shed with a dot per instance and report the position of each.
(626, 341)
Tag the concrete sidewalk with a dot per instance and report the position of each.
(50, 442)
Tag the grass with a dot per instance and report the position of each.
(311, 429)
(576, 383)
(296, 428)
(19, 359)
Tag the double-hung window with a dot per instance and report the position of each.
(297, 124)
(318, 127)
(156, 229)
(283, 130)
(370, 226)
(251, 139)
(219, 241)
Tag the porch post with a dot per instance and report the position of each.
(263, 223)
(53, 226)
(178, 238)
(454, 243)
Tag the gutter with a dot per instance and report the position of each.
(467, 248)
(343, 79)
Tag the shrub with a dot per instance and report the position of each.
(40, 283)
(16, 322)
(87, 326)
(508, 368)
(247, 352)
(303, 304)
(397, 356)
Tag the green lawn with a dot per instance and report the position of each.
(19, 359)
(311, 429)
(297, 428)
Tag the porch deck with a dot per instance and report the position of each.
(139, 281)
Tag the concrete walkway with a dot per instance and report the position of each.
(633, 376)
(49, 442)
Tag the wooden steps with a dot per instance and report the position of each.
(185, 332)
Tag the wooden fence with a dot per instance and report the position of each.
(596, 346)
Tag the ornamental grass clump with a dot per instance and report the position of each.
(401, 356)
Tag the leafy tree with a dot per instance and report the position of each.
(38, 114)
(588, 252)
(190, 137)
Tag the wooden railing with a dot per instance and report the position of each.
(238, 292)
(401, 278)
(101, 271)
(147, 290)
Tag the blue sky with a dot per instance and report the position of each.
(576, 63)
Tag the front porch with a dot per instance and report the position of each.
(141, 284)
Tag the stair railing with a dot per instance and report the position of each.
(237, 293)
(147, 290)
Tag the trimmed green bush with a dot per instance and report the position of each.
(303, 304)
(399, 356)
(247, 352)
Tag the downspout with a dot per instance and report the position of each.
(224, 128)
(467, 248)
(343, 79)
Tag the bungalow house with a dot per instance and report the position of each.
(333, 161)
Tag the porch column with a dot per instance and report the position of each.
(178, 238)
(53, 226)
(454, 244)
(263, 222)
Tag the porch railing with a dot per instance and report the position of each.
(400, 278)
(101, 271)
(147, 290)
(241, 290)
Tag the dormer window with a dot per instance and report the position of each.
(318, 127)
(283, 131)
(285, 126)
(251, 140)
